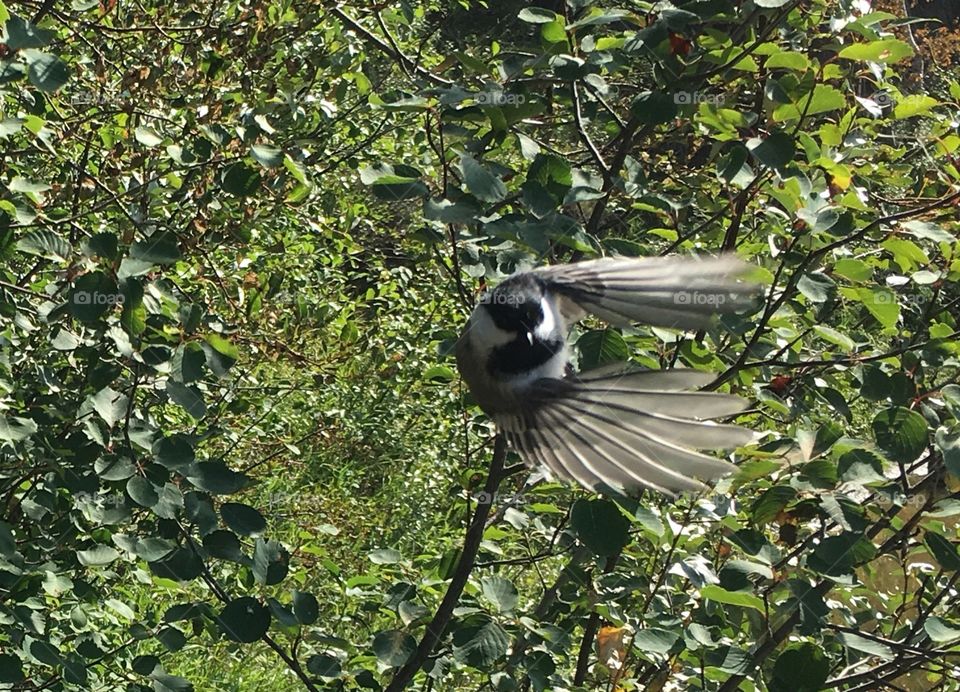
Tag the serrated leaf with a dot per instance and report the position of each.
(901, 433)
(480, 642)
(46, 244)
(500, 592)
(914, 105)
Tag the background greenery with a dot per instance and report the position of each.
(239, 238)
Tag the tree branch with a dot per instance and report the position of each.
(468, 556)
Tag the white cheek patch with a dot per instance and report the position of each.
(547, 329)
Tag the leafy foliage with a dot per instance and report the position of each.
(237, 239)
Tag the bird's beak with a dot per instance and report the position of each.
(530, 338)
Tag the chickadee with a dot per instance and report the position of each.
(611, 428)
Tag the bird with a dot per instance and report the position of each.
(615, 428)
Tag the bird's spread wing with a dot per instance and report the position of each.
(625, 430)
(662, 291)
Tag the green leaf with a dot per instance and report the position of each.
(943, 551)
(159, 248)
(864, 645)
(881, 302)
(243, 519)
(240, 180)
(244, 620)
(45, 652)
(480, 642)
(46, 244)
(327, 666)
(948, 442)
(384, 556)
(223, 346)
(11, 669)
(822, 99)
(182, 565)
(736, 598)
(305, 607)
(602, 346)
(148, 136)
(802, 667)
(655, 640)
(97, 556)
(172, 639)
(22, 33)
(188, 397)
(500, 592)
(654, 108)
(941, 631)
(889, 50)
(393, 647)
(860, 466)
(16, 429)
(771, 502)
(914, 105)
(46, 72)
(853, 269)
(776, 151)
(600, 525)
(481, 183)
(816, 287)
(216, 478)
(270, 562)
(267, 155)
(224, 545)
(901, 433)
(835, 337)
(109, 404)
(536, 15)
(838, 555)
(142, 491)
(174, 452)
(789, 60)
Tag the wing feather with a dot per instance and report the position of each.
(664, 291)
(625, 430)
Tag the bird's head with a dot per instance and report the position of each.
(517, 307)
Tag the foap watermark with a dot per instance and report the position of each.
(485, 498)
(688, 98)
(699, 298)
(889, 297)
(502, 298)
(100, 500)
(498, 98)
(97, 298)
(92, 98)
